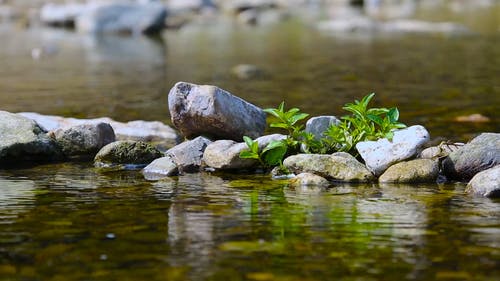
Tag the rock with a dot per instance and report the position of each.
(305, 179)
(8, 13)
(207, 110)
(246, 71)
(319, 124)
(356, 24)
(84, 141)
(279, 173)
(154, 132)
(130, 18)
(190, 5)
(418, 170)
(381, 154)
(160, 168)
(126, 154)
(417, 26)
(63, 15)
(339, 166)
(474, 118)
(239, 6)
(225, 154)
(480, 154)
(440, 151)
(485, 183)
(250, 17)
(187, 155)
(23, 140)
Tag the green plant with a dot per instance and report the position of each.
(362, 124)
(271, 155)
(288, 120)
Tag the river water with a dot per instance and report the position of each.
(72, 222)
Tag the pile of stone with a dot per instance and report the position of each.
(214, 122)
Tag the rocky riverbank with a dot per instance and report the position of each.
(152, 16)
(215, 122)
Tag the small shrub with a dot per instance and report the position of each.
(362, 124)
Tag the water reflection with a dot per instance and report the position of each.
(232, 227)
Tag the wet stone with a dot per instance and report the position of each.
(126, 154)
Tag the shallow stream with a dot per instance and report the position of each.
(72, 222)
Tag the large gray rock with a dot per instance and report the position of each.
(126, 154)
(23, 140)
(207, 110)
(485, 183)
(160, 168)
(154, 132)
(225, 154)
(480, 154)
(84, 141)
(61, 14)
(187, 155)
(413, 171)
(114, 17)
(339, 166)
(319, 124)
(381, 154)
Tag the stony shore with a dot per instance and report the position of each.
(213, 122)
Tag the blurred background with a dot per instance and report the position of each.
(438, 61)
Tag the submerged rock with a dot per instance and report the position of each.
(419, 170)
(480, 154)
(246, 71)
(319, 124)
(418, 26)
(381, 154)
(207, 110)
(305, 179)
(126, 154)
(63, 15)
(23, 140)
(339, 166)
(225, 154)
(154, 132)
(187, 155)
(473, 118)
(160, 168)
(114, 17)
(485, 183)
(84, 141)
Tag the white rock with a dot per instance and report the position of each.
(485, 183)
(380, 155)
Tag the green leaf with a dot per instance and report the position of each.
(281, 107)
(246, 154)
(375, 118)
(297, 117)
(279, 125)
(377, 111)
(366, 100)
(393, 114)
(255, 147)
(248, 141)
(272, 111)
(274, 152)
